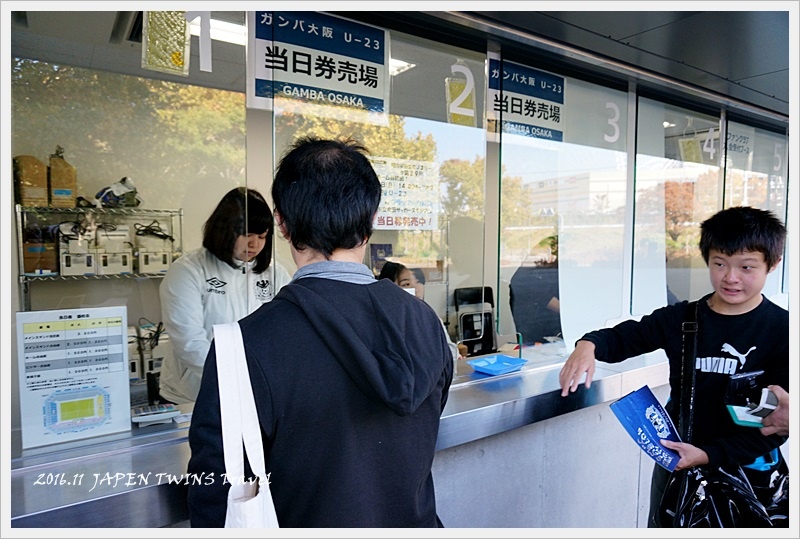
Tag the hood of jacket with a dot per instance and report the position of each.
(391, 344)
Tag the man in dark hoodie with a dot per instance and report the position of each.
(350, 374)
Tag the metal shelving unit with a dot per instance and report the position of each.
(49, 216)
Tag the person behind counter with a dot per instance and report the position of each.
(230, 276)
(408, 281)
(350, 374)
(739, 330)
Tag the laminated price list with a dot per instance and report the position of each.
(73, 373)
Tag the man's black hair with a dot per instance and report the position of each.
(327, 194)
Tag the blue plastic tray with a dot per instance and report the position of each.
(497, 364)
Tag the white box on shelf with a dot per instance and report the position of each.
(150, 243)
(134, 355)
(113, 241)
(75, 264)
(75, 244)
(114, 263)
(156, 355)
(154, 261)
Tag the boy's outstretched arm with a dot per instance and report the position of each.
(580, 361)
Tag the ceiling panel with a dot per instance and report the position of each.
(740, 54)
(72, 25)
(608, 24)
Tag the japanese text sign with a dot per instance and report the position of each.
(525, 101)
(409, 194)
(317, 58)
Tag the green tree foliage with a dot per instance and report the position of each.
(168, 137)
(81, 110)
(204, 125)
(172, 138)
(463, 192)
(381, 140)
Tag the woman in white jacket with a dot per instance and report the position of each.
(226, 279)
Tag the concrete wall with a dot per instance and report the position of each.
(579, 470)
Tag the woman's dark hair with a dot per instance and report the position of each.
(419, 274)
(391, 271)
(742, 228)
(327, 194)
(241, 211)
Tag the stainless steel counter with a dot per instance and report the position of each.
(135, 479)
(480, 405)
(131, 479)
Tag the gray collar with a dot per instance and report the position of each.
(349, 272)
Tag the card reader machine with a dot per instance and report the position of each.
(475, 316)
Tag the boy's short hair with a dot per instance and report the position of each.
(327, 194)
(742, 228)
(241, 211)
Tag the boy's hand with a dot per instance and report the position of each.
(691, 456)
(580, 361)
(778, 421)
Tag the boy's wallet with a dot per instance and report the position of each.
(766, 405)
(746, 392)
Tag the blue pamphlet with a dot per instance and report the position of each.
(648, 423)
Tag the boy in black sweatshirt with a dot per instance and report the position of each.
(739, 330)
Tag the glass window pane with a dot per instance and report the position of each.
(677, 187)
(561, 220)
(755, 175)
(430, 158)
(175, 151)
(156, 155)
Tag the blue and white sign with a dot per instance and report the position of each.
(525, 101)
(316, 58)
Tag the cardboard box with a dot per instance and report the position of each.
(30, 181)
(63, 183)
(39, 258)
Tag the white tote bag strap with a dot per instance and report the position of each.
(237, 405)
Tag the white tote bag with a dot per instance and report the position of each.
(249, 503)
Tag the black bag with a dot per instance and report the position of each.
(703, 497)
(772, 489)
(778, 503)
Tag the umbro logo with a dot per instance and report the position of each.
(215, 282)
